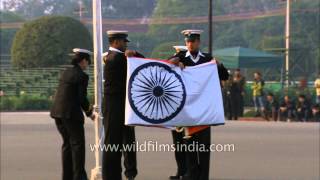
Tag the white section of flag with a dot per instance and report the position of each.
(203, 99)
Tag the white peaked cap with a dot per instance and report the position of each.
(191, 31)
(181, 48)
(112, 32)
(78, 50)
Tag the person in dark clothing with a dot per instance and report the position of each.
(316, 113)
(177, 138)
(227, 100)
(197, 161)
(240, 82)
(224, 97)
(116, 133)
(287, 109)
(69, 103)
(272, 108)
(237, 95)
(303, 109)
(232, 97)
(180, 155)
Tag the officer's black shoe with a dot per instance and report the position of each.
(174, 177)
(185, 177)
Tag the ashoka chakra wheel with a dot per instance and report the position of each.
(156, 93)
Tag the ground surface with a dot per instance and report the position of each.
(30, 150)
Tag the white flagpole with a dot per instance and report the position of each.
(97, 44)
(287, 42)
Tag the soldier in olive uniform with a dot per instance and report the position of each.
(197, 162)
(69, 103)
(116, 133)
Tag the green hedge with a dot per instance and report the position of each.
(28, 102)
(43, 102)
(278, 93)
(24, 102)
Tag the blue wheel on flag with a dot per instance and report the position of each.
(156, 93)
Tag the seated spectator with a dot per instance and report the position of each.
(303, 109)
(272, 108)
(316, 113)
(287, 109)
(1, 93)
(317, 87)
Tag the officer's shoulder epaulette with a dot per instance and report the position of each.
(181, 54)
(111, 55)
(207, 55)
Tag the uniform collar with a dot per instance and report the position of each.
(195, 60)
(78, 67)
(114, 49)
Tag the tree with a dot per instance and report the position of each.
(6, 35)
(47, 41)
(176, 8)
(144, 44)
(261, 33)
(224, 34)
(110, 9)
(35, 8)
(127, 8)
(164, 50)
